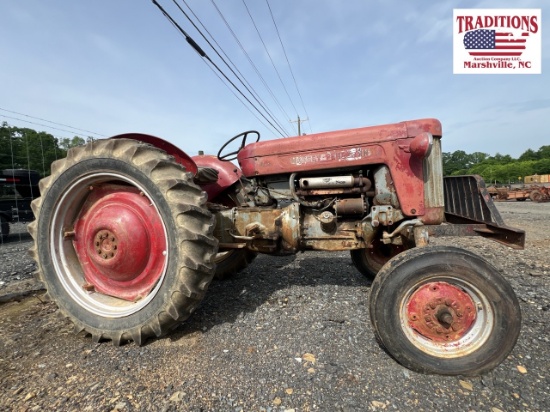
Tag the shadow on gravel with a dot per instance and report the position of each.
(269, 279)
(16, 238)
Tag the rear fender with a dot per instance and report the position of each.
(228, 174)
(179, 155)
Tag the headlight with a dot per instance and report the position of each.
(421, 145)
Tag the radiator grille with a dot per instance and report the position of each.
(467, 197)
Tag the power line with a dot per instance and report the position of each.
(270, 58)
(39, 124)
(288, 62)
(249, 59)
(52, 122)
(225, 62)
(255, 93)
(201, 52)
(241, 100)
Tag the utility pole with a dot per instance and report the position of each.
(299, 121)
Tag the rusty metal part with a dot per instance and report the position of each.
(263, 230)
(441, 312)
(284, 230)
(539, 193)
(106, 244)
(328, 221)
(385, 193)
(467, 201)
(514, 238)
(534, 192)
(402, 226)
(345, 237)
(353, 206)
(381, 215)
(222, 246)
(421, 236)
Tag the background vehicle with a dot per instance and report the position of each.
(18, 187)
(131, 230)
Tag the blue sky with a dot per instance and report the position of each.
(118, 66)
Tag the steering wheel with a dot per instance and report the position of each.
(227, 156)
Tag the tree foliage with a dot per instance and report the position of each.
(499, 168)
(23, 148)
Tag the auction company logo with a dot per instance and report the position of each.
(497, 41)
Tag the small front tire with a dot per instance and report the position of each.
(444, 310)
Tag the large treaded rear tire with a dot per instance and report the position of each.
(369, 261)
(229, 263)
(444, 310)
(185, 246)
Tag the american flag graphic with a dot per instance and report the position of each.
(484, 42)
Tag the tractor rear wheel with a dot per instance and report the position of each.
(369, 261)
(231, 262)
(444, 310)
(123, 240)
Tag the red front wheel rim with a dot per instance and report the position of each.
(446, 316)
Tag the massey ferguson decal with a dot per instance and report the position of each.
(343, 155)
(497, 41)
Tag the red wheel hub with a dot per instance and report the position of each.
(441, 312)
(120, 242)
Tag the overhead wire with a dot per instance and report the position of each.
(39, 124)
(288, 62)
(227, 64)
(50, 121)
(258, 97)
(203, 54)
(273, 96)
(269, 55)
(242, 102)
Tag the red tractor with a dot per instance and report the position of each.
(130, 231)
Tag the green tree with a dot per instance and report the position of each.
(23, 148)
(529, 154)
(67, 143)
(541, 167)
(544, 152)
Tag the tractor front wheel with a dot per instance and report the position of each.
(444, 310)
(123, 240)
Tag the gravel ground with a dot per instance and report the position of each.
(287, 334)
